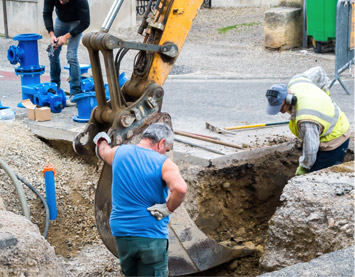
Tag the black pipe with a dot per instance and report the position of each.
(45, 233)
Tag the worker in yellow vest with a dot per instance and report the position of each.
(315, 119)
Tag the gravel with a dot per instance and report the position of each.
(74, 231)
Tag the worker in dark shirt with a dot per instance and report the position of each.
(73, 17)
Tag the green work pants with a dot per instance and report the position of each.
(143, 256)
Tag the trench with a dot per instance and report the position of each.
(233, 205)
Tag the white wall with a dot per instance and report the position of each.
(25, 16)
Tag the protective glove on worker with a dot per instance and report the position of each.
(99, 137)
(301, 170)
(159, 211)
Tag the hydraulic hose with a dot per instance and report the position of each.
(19, 188)
(45, 233)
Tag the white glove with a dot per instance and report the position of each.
(159, 211)
(100, 136)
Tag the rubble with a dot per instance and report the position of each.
(24, 251)
(316, 217)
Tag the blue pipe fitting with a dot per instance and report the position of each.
(48, 173)
(122, 79)
(87, 85)
(85, 102)
(47, 94)
(84, 68)
(26, 53)
(14, 54)
(3, 107)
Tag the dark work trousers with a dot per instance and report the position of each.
(329, 158)
(143, 256)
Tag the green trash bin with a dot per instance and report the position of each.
(321, 21)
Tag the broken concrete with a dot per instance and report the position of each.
(25, 253)
(338, 263)
(316, 217)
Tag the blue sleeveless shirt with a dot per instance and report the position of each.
(136, 185)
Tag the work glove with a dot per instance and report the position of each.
(100, 136)
(300, 171)
(159, 211)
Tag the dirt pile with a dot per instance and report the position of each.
(75, 182)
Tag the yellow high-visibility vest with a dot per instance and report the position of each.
(315, 105)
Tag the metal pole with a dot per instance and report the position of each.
(111, 16)
(5, 19)
(181, 133)
(199, 146)
(304, 34)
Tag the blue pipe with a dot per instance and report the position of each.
(48, 173)
(26, 53)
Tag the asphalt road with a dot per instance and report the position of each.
(193, 102)
(229, 102)
(225, 102)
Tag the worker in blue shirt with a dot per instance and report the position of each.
(142, 178)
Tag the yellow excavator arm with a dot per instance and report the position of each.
(139, 101)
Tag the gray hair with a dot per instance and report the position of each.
(158, 131)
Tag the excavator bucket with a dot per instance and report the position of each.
(190, 250)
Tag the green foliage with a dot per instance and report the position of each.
(237, 26)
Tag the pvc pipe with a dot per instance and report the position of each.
(19, 188)
(48, 173)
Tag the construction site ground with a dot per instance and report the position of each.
(219, 77)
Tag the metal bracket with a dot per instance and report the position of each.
(168, 49)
